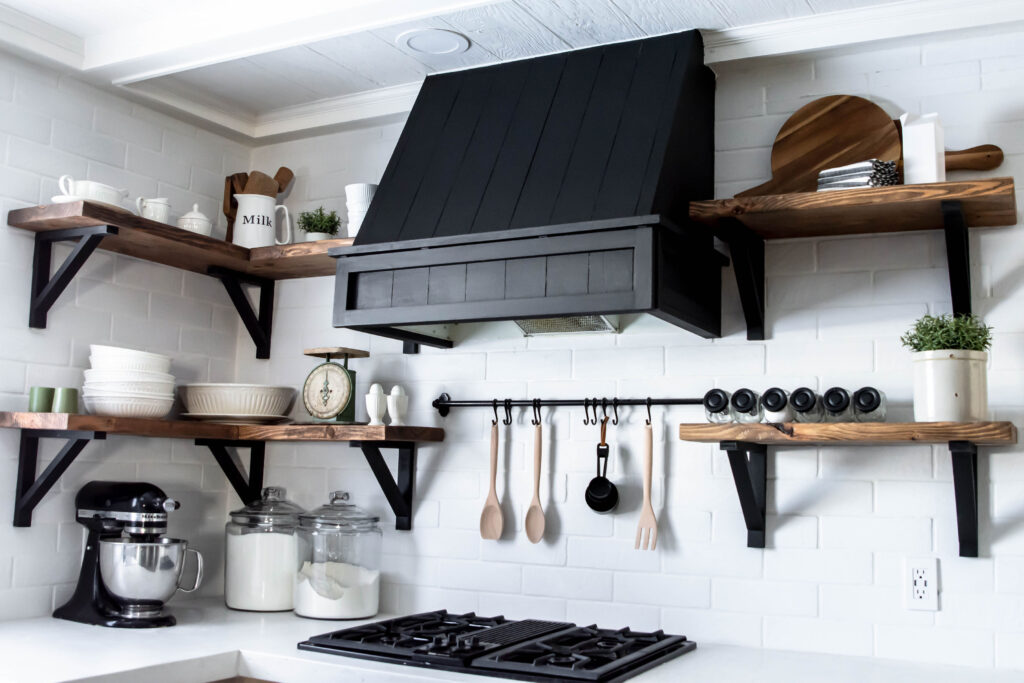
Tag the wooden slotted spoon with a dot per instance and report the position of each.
(647, 527)
(491, 521)
(535, 514)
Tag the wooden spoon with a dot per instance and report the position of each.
(535, 514)
(284, 177)
(261, 183)
(491, 521)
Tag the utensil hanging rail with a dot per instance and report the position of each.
(444, 403)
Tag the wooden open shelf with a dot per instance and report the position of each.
(986, 203)
(854, 433)
(172, 246)
(747, 448)
(194, 429)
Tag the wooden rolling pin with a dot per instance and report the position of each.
(980, 158)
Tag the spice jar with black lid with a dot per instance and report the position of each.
(869, 405)
(775, 402)
(746, 406)
(716, 406)
(838, 406)
(806, 405)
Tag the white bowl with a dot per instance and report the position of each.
(105, 375)
(237, 399)
(150, 362)
(127, 406)
(141, 387)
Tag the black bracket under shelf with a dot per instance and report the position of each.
(958, 256)
(30, 489)
(258, 324)
(965, 490)
(398, 490)
(746, 248)
(411, 341)
(248, 487)
(46, 288)
(749, 464)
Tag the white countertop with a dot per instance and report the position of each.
(212, 642)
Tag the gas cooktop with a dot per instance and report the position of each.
(528, 650)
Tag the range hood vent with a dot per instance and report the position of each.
(549, 188)
(569, 324)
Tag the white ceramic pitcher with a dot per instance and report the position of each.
(256, 224)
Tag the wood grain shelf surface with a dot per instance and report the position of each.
(182, 429)
(172, 246)
(809, 434)
(986, 202)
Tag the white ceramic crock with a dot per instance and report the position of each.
(950, 386)
(317, 236)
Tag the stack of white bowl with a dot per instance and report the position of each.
(357, 200)
(127, 383)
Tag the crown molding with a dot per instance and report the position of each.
(30, 37)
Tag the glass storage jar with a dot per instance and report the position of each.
(259, 559)
(775, 402)
(716, 406)
(869, 405)
(838, 407)
(746, 406)
(807, 405)
(339, 562)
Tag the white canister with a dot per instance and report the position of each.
(256, 222)
(156, 209)
(376, 405)
(950, 386)
(924, 149)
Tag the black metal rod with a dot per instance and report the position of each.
(444, 402)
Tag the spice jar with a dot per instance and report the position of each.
(259, 563)
(775, 402)
(869, 405)
(746, 406)
(339, 562)
(838, 407)
(716, 406)
(806, 405)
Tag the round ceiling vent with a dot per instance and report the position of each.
(433, 41)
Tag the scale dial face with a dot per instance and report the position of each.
(328, 391)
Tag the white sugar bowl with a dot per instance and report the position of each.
(376, 405)
(196, 221)
(398, 405)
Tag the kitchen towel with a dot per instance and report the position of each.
(870, 173)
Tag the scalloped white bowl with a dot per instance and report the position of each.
(117, 358)
(135, 406)
(237, 399)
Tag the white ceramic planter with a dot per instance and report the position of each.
(950, 386)
(317, 236)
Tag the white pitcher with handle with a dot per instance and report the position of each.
(256, 224)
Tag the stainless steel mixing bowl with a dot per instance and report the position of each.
(146, 572)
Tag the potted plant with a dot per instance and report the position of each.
(319, 225)
(950, 358)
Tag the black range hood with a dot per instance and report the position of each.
(553, 189)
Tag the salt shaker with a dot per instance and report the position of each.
(869, 405)
(806, 405)
(746, 406)
(398, 404)
(716, 406)
(775, 402)
(838, 407)
(376, 405)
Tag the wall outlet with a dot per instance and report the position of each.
(921, 577)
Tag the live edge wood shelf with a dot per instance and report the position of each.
(747, 448)
(95, 226)
(744, 223)
(222, 440)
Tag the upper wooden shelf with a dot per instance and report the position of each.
(181, 429)
(172, 246)
(987, 202)
(810, 434)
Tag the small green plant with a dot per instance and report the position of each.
(320, 221)
(934, 333)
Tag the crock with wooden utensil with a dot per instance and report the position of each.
(491, 521)
(535, 513)
(256, 222)
(647, 527)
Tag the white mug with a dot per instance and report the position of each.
(255, 224)
(88, 189)
(158, 209)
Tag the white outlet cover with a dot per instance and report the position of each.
(921, 582)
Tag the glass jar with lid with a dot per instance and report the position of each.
(259, 561)
(339, 562)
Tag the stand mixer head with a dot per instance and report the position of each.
(129, 569)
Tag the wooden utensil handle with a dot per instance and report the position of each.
(980, 158)
(648, 460)
(494, 455)
(536, 459)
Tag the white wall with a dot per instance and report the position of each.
(50, 126)
(841, 519)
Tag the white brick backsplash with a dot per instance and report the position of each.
(897, 462)
(557, 582)
(520, 365)
(639, 617)
(83, 142)
(700, 559)
(908, 534)
(515, 547)
(521, 607)
(790, 598)
(44, 160)
(725, 628)
(715, 359)
(492, 577)
(824, 566)
(23, 123)
(796, 496)
(662, 590)
(625, 363)
(785, 292)
(818, 635)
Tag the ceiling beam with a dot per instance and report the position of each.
(36, 39)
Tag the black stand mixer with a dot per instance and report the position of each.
(129, 569)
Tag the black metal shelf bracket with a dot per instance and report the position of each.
(30, 489)
(259, 324)
(958, 255)
(749, 464)
(249, 487)
(45, 288)
(746, 248)
(965, 489)
(411, 340)
(397, 490)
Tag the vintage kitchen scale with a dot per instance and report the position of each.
(329, 391)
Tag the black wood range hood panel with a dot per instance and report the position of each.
(548, 187)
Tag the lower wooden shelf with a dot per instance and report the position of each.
(747, 449)
(222, 440)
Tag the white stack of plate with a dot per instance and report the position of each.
(238, 403)
(127, 383)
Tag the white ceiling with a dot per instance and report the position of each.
(278, 67)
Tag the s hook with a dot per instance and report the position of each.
(536, 412)
(648, 404)
(494, 404)
(508, 412)
(615, 411)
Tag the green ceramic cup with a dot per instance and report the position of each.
(65, 400)
(40, 399)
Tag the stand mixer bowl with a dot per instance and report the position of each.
(146, 574)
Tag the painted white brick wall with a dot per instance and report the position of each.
(840, 519)
(51, 125)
